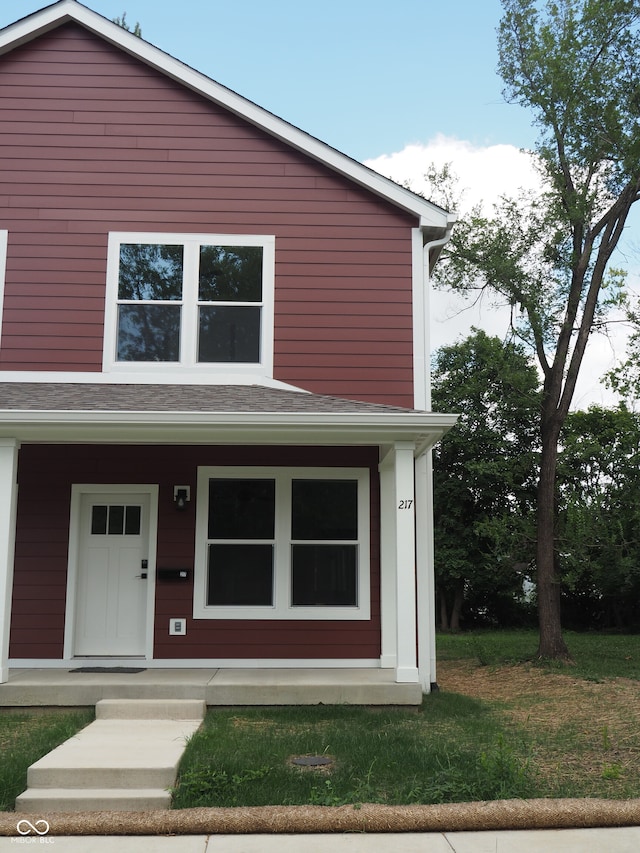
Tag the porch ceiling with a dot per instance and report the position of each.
(219, 414)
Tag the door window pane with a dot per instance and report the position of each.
(324, 575)
(240, 575)
(116, 520)
(132, 521)
(98, 520)
(324, 509)
(241, 509)
(229, 333)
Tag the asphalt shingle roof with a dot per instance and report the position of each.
(104, 397)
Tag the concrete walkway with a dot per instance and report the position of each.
(622, 840)
(124, 761)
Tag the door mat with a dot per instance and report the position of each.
(118, 669)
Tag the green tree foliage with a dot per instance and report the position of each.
(599, 530)
(484, 478)
(575, 64)
(122, 22)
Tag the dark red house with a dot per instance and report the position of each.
(214, 384)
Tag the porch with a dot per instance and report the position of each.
(295, 686)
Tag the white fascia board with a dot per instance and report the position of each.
(431, 217)
(422, 429)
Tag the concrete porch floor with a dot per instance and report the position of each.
(60, 687)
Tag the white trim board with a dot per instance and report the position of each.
(200, 663)
(4, 236)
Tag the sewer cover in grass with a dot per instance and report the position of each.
(312, 760)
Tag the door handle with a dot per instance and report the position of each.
(143, 576)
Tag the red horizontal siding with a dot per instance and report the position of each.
(94, 141)
(45, 476)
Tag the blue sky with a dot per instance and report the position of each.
(366, 76)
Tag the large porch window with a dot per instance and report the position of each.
(282, 543)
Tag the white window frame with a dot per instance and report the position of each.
(4, 239)
(189, 313)
(282, 607)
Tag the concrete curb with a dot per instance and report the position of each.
(449, 817)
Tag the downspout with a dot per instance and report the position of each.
(426, 587)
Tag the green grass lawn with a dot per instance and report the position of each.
(25, 736)
(555, 740)
(500, 727)
(596, 656)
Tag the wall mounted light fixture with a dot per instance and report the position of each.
(181, 497)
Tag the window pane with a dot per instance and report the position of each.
(229, 334)
(324, 509)
(323, 575)
(150, 272)
(230, 274)
(98, 520)
(116, 520)
(240, 575)
(132, 521)
(241, 509)
(149, 332)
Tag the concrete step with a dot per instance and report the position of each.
(44, 800)
(116, 754)
(151, 709)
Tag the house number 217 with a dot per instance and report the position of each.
(406, 504)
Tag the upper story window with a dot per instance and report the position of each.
(190, 301)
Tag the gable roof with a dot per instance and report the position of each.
(435, 222)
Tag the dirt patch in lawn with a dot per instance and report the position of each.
(575, 726)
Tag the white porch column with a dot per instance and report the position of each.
(425, 572)
(398, 561)
(388, 605)
(8, 502)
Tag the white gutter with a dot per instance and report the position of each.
(224, 427)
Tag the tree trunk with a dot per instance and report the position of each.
(551, 643)
(444, 616)
(457, 605)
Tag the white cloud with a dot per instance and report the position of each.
(484, 175)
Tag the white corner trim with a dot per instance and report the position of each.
(4, 238)
(420, 297)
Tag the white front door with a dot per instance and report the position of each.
(111, 585)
